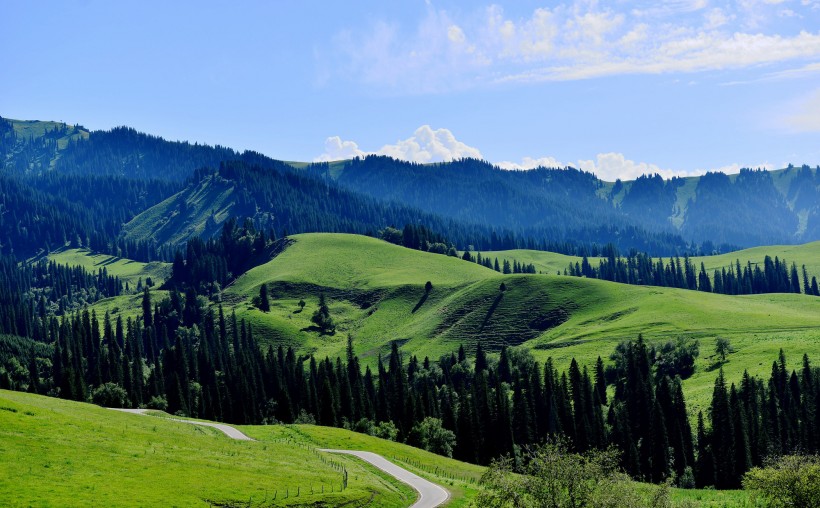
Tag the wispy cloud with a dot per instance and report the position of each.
(574, 41)
(804, 114)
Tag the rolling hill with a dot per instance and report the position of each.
(376, 292)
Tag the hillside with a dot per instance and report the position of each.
(377, 295)
(127, 270)
(57, 451)
(807, 254)
(558, 209)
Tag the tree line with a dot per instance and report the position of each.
(186, 358)
(775, 276)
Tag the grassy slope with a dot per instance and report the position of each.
(806, 254)
(126, 269)
(36, 129)
(460, 478)
(373, 288)
(56, 452)
(184, 214)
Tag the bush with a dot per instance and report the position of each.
(792, 480)
(110, 395)
(157, 403)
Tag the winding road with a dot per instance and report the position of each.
(430, 494)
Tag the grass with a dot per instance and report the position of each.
(58, 452)
(184, 214)
(55, 451)
(460, 478)
(805, 254)
(37, 129)
(376, 294)
(126, 269)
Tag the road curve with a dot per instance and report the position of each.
(430, 494)
(229, 431)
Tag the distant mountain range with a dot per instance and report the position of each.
(172, 190)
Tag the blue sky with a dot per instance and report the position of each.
(619, 88)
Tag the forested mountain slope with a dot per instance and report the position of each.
(557, 209)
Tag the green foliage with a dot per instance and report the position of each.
(111, 395)
(321, 318)
(677, 358)
(722, 348)
(431, 436)
(790, 481)
(555, 477)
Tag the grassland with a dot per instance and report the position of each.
(37, 129)
(58, 453)
(185, 214)
(126, 269)
(805, 254)
(376, 293)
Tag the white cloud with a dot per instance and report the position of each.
(612, 166)
(608, 166)
(573, 41)
(336, 149)
(424, 146)
(428, 145)
(455, 34)
(531, 163)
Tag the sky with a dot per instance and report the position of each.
(675, 87)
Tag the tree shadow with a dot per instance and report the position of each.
(717, 364)
(491, 310)
(421, 302)
(314, 328)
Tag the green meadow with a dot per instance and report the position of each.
(56, 450)
(376, 294)
(127, 270)
(57, 453)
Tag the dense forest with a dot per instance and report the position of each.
(776, 275)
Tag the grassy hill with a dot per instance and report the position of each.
(198, 211)
(58, 452)
(376, 293)
(62, 132)
(126, 269)
(805, 254)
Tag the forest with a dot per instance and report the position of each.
(776, 275)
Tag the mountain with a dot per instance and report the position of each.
(747, 209)
(565, 210)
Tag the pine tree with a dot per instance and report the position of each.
(264, 301)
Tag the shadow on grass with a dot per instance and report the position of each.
(321, 331)
(421, 302)
(491, 310)
(716, 365)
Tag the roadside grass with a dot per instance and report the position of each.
(56, 452)
(460, 478)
